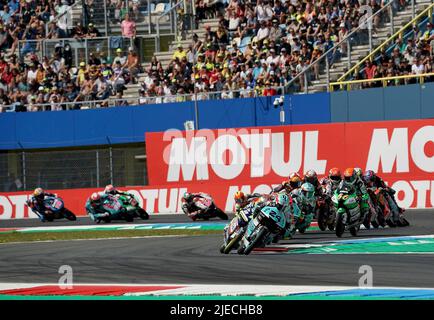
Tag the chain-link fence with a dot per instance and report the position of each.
(64, 169)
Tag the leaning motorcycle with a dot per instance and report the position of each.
(131, 203)
(397, 218)
(262, 229)
(347, 210)
(207, 209)
(116, 210)
(326, 213)
(55, 209)
(234, 231)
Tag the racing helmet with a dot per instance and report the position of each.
(359, 172)
(282, 200)
(295, 181)
(95, 197)
(239, 197)
(109, 188)
(350, 175)
(308, 190)
(187, 196)
(311, 177)
(335, 175)
(293, 174)
(38, 193)
(369, 175)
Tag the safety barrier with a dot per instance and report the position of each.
(399, 151)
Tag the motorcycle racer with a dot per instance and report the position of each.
(293, 182)
(372, 180)
(243, 199)
(311, 177)
(331, 182)
(306, 201)
(94, 206)
(352, 178)
(36, 202)
(189, 206)
(110, 189)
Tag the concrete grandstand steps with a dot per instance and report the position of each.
(358, 52)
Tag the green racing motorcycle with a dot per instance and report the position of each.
(348, 212)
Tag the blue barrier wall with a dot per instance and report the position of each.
(412, 101)
(128, 124)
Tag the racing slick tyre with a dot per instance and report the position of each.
(331, 227)
(253, 243)
(353, 231)
(69, 215)
(143, 214)
(402, 222)
(231, 244)
(390, 223)
(221, 214)
(302, 230)
(49, 218)
(322, 222)
(340, 227)
(222, 248)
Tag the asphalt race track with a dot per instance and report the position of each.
(196, 260)
(163, 218)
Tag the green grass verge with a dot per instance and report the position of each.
(98, 234)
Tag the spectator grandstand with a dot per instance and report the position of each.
(236, 49)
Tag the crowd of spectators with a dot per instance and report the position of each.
(257, 47)
(409, 56)
(31, 82)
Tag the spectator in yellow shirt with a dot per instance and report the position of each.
(179, 53)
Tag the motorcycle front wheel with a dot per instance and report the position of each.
(260, 234)
(340, 227)
(231, 244)
(322, 221)
(353, 231)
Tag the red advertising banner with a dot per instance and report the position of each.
(394, 149)
(167, 199)
(220, 162)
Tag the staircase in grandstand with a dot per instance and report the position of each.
(360, 50)
(166, 57)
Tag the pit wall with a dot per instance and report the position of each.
(220, 162)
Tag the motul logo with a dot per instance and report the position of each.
(385, 154)
(229, 153)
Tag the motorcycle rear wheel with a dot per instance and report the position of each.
(143, 214)
(69, 215)
(402, 222)
(353, 231)
(390, 223)
(221, 214)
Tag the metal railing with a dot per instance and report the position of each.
(135, 101)
(63, 169)
(428, 11)
(385, 81)
(82, 47)
(173, 19)
(362, 35)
